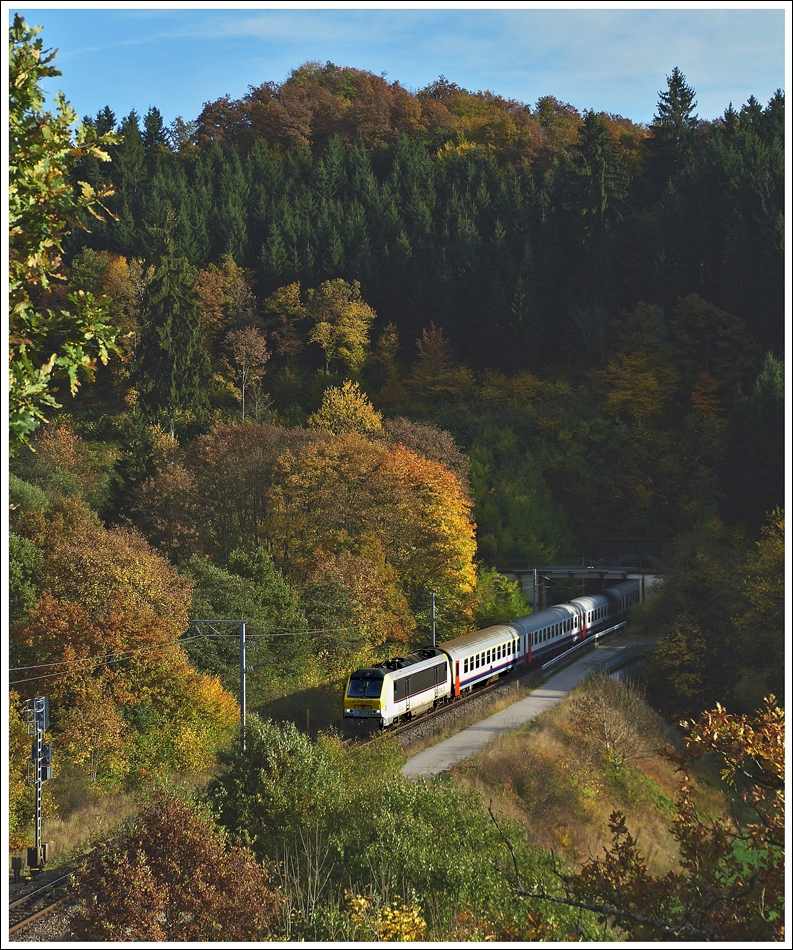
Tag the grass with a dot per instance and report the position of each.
(87, 815)
(554, 778)
(74, 834)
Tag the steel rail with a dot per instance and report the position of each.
(40, 913)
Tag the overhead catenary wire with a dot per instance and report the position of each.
(115, 654)
(67, 667)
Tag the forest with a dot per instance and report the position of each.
(335, 346)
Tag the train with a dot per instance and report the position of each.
(403, 687)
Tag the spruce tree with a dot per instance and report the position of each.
(673, 129)
(173, 370)
(129, 173)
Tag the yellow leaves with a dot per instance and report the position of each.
(381, 611)
(637, 384)
(394, 921)
(342, 321)
(212, 703)
(346, 409)
(43, 203)
(415, 507)
(497, 387)
(94, 735)
(108, 620)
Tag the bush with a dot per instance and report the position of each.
(170, 876)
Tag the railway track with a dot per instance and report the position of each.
(518, 677)
(37, 903)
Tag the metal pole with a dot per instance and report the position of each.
(432, 616)
(37, 766)
(242, 683)
(534, 595)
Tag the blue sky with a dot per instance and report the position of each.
(616, 60)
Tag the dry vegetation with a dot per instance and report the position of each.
(86, 816)
(563, 774)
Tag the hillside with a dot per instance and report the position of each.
(335, 348)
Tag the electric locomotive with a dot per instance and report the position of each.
(399, 688)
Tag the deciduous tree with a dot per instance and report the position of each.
(249, 353)
(104, 631)
(342, 321)
(44, 202)
(346, 409)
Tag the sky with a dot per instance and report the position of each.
(179, 56)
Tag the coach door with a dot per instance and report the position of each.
(456, 677)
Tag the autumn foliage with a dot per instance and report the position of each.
(103, 635)
(170, 876)
(299, 494)
(729, 885)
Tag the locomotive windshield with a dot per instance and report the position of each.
(364, 688)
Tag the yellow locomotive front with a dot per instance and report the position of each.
(366, 694)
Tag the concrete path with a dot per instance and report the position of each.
(444, 755)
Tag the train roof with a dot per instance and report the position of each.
(483, 638)
(380, 670)
(605, 596)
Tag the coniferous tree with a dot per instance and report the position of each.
(129, 174)
(173, 370)
(673, 129)
(754, 483)
(154, 131)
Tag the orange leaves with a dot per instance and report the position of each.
(111, 573)
(752, 749)
(225, 299)
(704, 398)
(729, 886)
(433, 522)
(297, 492)
(102, 643)
(415, 507)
